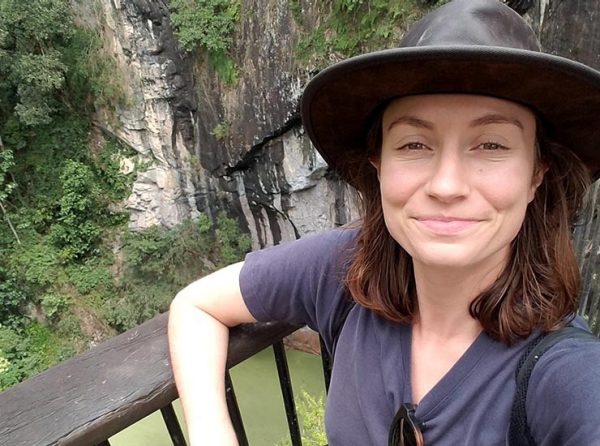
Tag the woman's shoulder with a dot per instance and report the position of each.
(320, 247)
(569, 359)
(563, 399)
(300, 281)
(343, 236)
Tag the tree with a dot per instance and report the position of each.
(31, 68)
(6, 186)
(76, 233)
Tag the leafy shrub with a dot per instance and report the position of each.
(224, 66)
(29, 351)
(39, 76)
(354, 26)
(311, 414)
(90, 276)
(53, 305)
(11, 354)
(12, 299)
(6, 164)
(208, 24)
(115, 186)
(31, 63)
(68, 329)
(38, 165)
(4, 365)
(232, 243)
(76, 234)
(159, 261)
(138, 302)
(175, 253)
(44, 348)
(221, 131)
(159, 253)
(204, 24)
(93, 76)
(37, 262)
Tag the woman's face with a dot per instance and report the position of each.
(456, 175)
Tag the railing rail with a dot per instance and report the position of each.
(89, 398)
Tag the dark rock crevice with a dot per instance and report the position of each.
(255, 151)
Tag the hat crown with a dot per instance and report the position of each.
(472, 23)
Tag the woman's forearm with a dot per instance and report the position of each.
(198, 346)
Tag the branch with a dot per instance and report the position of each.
(12, 228)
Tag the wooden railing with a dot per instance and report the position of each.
(89, 398)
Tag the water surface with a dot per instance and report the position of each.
(259, 397)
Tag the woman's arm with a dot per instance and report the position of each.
(199, 322)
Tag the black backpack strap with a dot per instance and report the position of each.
(518, 431)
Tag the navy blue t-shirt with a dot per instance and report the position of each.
(302, 282)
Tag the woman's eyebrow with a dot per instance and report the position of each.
(412, 121)
(496, 119)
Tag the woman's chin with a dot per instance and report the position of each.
(456, 257)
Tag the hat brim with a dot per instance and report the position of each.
(338, 103)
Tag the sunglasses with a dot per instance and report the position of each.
(405, 429)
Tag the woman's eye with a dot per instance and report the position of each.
(414, 146)
(492, 146)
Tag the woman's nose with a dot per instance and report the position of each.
(448, 179)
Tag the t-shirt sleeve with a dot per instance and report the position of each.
(300, 282)
(563, 402)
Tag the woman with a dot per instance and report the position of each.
(463, 255)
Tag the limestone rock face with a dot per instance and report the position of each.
(551, 19)
(263, 169)
(157, 119)
(209, 146)
(270, 174)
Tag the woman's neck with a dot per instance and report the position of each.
(445, 295)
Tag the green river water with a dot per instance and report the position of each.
(259, 397)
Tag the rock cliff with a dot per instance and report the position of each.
(263, 169)
(212, 146)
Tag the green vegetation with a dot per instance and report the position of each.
(311, 415)
(70, 271)
(31, 62)
(29, 351)
(351, 27)
(208, 25)
(221, 131)
(76, 231)
(159, 262)
(38, 322)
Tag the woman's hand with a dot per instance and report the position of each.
(199, 322)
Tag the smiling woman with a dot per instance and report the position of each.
(469, 179)
(456, 177)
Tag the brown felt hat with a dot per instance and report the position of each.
(466, 46)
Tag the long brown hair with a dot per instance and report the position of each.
(539, 286)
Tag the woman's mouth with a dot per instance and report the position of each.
(441, 225)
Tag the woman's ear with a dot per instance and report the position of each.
(376, 163)
(536, 180)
